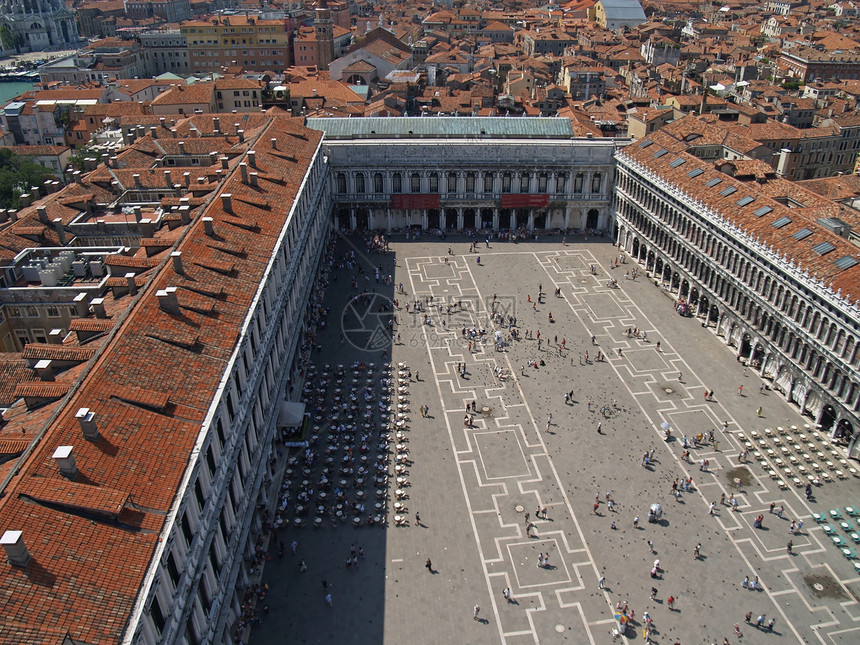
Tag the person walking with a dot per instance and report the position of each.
(506, 593)
(670, 602)
(328, 600)
(601, 582)
(429, 566)
(475, 612)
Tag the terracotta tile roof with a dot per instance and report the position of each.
(13, 446)
(86, 574)
(13, 370)
(91, 324)
(42, 389)
(747, 216)
(70, 495)
(71, 354)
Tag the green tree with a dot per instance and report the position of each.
(17, 174)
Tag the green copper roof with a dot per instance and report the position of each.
(433, 127)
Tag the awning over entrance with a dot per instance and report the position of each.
(291, 414)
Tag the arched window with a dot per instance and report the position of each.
(396, 183)
(470, 182)
(377, 183)
(595, 182)
(506, 182)
(434, 182)
(452, 182)
(359, 183)
(577, 182)
(561, 182)
(542, 182)
(415, 183)
(341, 182)
(488, 182)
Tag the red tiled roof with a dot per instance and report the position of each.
(806, 215)
(43, 351)
(85, 574)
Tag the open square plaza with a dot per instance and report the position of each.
(491, 426)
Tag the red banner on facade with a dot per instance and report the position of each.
(414, 201)
(524, 200)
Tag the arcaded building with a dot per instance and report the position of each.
(765, 263)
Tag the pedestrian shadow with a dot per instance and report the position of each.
(483, 621)
(511, 601)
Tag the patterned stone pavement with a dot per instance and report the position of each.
(473, 485)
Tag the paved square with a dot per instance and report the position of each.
(529, 447)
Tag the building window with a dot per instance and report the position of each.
(577, 182)
(377, 183)
(524, 183)
(595, 183)
(396, 183)
(359, 183)
(488, 182)
(341, 183)
(560, 182)
(542, 182)
(452, 182)
(415, 183)
(157, 615)
(506, 182)
(434, 182)
(470, 182)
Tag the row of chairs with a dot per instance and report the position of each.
(833, 520)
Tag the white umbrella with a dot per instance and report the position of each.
(665, 425)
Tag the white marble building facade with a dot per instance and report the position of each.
(500, 184)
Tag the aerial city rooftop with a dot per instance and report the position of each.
(185, 178)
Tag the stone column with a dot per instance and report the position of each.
(370, 222)
(388, 226)
(352, 221)
(495, 219)
(460, 223)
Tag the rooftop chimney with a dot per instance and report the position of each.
(186, 176)
(208, 226)
(162, 121)
(82, 305)
(252, 158)
(167, 181)
(61, 232)
(182, 147)
(13, 215)
(227, 202)
(253, 179)
(274, 143)
(243, 168)
(66, 461)
(26, 199)
(76, 176)
(42, 212)
(213, 157)
(153, 131)
(98, 305)
(16, 553)
(168, 300)
(89, 427)
(225, 165)
(55, 336)
(136, 178)
(4, 215)
(173, 133)
(216, 124)
(137, 215)
(44, 370)
(176, 256)
(241, 134)
(132, 285)
(146, 227)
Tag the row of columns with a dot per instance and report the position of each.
(376, 219)
(725, 322)
(582, 182)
